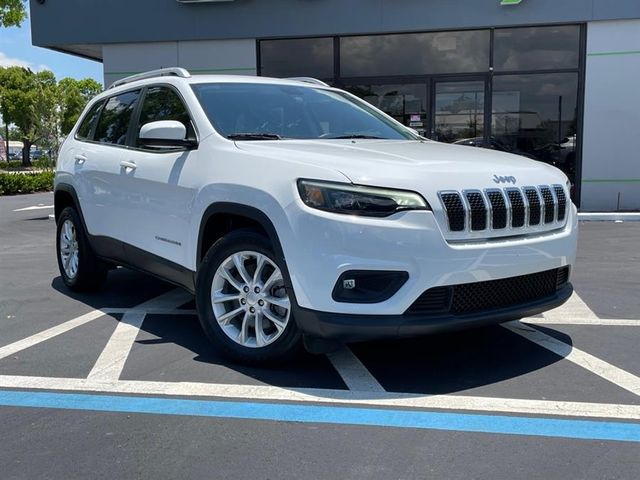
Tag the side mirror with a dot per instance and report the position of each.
(165, 133)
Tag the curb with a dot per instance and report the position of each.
(609, 216)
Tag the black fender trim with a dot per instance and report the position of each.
(259, 217)
(244, 211)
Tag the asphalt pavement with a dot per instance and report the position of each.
(122, 383)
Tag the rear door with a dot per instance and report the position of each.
(105, 196)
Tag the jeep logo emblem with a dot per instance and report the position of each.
(504, 179)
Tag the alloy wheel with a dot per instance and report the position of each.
(249, 299)
(69, 252)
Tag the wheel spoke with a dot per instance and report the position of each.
(232, 281)
(275, 277)
(243, 334)
(238, 261)
(261, 260)
(282, 302)
(260, 336)
(219, 297)
(224, 319)
(279, 323)
(67, 261)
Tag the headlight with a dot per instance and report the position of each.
(357, 199)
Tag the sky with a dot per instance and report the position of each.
(16, 49)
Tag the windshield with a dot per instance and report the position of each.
(251, 111)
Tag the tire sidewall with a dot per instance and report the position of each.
(235, 242)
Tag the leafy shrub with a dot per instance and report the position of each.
(41, 163)
(15, 183)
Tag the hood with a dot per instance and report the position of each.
(425, 167)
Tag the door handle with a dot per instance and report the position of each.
(128, 165)
(80, 159)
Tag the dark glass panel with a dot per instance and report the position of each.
(405, 103)
(162, 103)
(415, 53)
(459, 112)
(115, 118)
(536, 48)
(535, 115)
(302, 57)
(84, 130)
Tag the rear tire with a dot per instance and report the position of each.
(243, 304)
(79, 267)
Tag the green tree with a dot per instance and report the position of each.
(12, 13)
(73, 95)
(29, 101)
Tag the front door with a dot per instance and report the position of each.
(458, 111)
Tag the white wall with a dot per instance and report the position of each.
(237, 57)
(611, 158)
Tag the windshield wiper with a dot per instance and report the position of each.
(254, 136)
(342, 137)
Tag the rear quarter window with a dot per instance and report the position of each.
(89, 120)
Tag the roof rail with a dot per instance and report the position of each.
(314, 81)
(162, 72)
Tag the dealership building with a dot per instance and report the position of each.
(558, 81)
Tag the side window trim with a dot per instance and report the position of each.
(92, 130)
(138, 112)
(105, 102)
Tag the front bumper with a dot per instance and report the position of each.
(320, 246)
(351, 328)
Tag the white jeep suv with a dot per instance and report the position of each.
(296, 211)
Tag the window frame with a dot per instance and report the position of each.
(92, 130)
(132, 135)
(106, 100)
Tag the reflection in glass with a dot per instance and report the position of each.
(303, 57)
(536, 115)
(459, 111)
(415, 54)
(536, 48)
(405, 103)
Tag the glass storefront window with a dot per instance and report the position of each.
(459, 111)
(406, 103)
(303, 57)
(535, 116)
(536, 48)
(415, 53)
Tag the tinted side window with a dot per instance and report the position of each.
(162, 103)
(114, 120)
(88, 121)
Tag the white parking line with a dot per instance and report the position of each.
(609, 372)
(354, 374)
(322, 396)
(12, 348)
(112, 359)
(612, 322)
(35, 207)
(574, 308)
(151, 311)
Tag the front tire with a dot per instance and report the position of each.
(243, 304)
(79, 267)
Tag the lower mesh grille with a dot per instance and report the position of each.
(490, 295)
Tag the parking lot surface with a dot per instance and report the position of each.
(122, 383)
